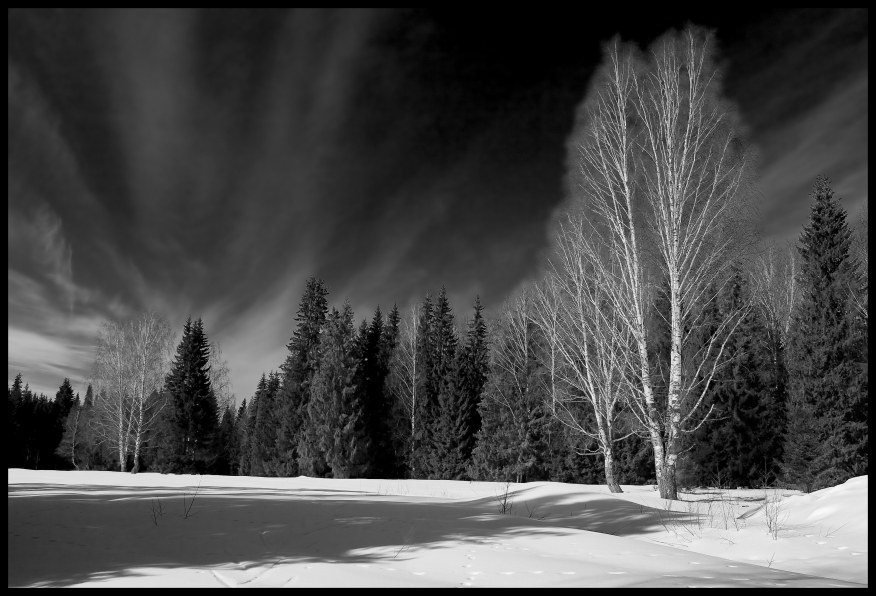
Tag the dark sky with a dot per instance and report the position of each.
(208, 162)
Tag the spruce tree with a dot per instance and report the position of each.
(354, 447)
(78, 447)
(511, 443)
(316, 443)
(379, 341)
(743, 430)
(426, 387)
(268, 417)
(391, 450)
(192, 419)
(827, 353)
(65, 399)
(226, 455)
(335, 439)
(47, 433)
(473, 368)
(14, 430)
(241, 424)
(70, 445)
(253, 455)
(298, 370)
(443, 441)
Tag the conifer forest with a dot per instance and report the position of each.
(664, 341)
(427, 392)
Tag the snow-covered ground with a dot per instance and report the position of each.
(99, 529)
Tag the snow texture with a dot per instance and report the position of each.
(98, 529)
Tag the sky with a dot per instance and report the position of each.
(206, 163)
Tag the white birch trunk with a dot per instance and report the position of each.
(661, 185)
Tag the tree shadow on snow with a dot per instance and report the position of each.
(61, 535)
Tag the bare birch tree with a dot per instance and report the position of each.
(111, 376)
(774, 278)
(151, 349)
(661, 171)
(128, 373)
(404, 368)
(220, 379)
(547, 314)
(574, 313)
(72, 431)
(512, 349)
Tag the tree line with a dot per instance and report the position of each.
(655, 345)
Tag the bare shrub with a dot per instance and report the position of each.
(775, 514)
(504, 502)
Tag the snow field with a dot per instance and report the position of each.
(111, 529)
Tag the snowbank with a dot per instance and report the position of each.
(111, 529)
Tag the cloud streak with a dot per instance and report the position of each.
(206, 163)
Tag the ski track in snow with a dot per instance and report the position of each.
(97, 529)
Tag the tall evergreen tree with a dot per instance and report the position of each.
(241, 428)
(275, 465)
(509, 444)
(226, 445)
(268, 418)
(519, 438)
(79, 446)
(744, 430)
(253, 456)
(65, 399)
(379, 341)
(14, 427)
(441, 439)
(47, 433)
(335, 439)
(353, 452)
(827, 353)
(471, 371)
(390, 444)
(298, 370)
(316, 443)
(426, 390)
(71, 425)
(192, 421)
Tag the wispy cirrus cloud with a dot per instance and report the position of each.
(206, 163)
(831, 139)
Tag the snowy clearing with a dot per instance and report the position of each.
(110, 529)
